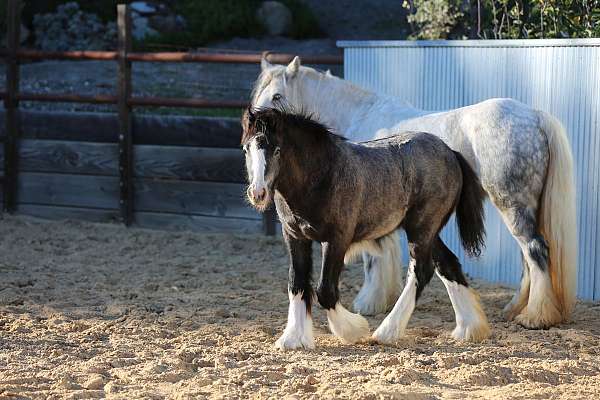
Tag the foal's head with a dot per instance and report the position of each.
(261, 143)
(272, 138)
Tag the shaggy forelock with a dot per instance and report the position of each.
(264, 79)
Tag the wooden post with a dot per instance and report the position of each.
(269, 221)
(125, 134)
(13, 23)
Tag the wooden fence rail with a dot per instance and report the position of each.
(123, 99)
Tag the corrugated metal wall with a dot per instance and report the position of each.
(558, 76)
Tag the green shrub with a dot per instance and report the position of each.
(207, 20)
(105, 9)
(432, 19)
(305, 24)
(503, 19)
(211, 20)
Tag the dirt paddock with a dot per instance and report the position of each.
(91, 311)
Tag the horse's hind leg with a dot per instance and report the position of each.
(420, 271)
(471, 322)
(381, 286)
(298, 332)
(521, 296)
(542, 309)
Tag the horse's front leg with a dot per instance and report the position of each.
(382, 284)
(298, 332)
(346, 325)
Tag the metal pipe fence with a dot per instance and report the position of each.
(559, 76)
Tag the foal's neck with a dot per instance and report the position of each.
(308, 162)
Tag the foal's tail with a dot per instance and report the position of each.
(469, 211)
(557, 217)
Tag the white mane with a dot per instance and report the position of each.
(329, 98)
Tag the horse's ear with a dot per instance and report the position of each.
(293, 67)
(328, 73)
(264, 63)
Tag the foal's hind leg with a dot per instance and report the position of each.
(298, 332)
(343, 324)
(542, 309)
(420, 271)
(471, 322)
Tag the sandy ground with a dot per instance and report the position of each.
(92, 310)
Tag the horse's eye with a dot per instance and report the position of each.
(277, 151)
(276, 97)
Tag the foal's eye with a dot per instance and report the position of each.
(276, 97)
(276, 151)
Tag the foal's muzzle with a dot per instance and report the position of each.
(257, 196)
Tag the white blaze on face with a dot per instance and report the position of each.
(257, 164)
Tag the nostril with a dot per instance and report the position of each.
(261, 194)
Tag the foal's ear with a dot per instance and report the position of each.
(293, 67)
(247, 120)
(328, 73)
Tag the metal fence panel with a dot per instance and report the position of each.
(559, 76)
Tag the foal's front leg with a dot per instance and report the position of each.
(346, 325)
(298, 332)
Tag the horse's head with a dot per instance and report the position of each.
(293, 85)
(261, 144)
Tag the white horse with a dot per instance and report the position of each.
(521, 155)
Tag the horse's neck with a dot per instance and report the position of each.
(352, 111)
(335, 102)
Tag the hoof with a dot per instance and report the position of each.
(541, 314)
(514, 307)
(386, 334)
(510, 311)
(472, 333)
(292, 341)
(543, 320)
(348, 326)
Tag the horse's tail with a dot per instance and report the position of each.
(469, 210)
(557, 214)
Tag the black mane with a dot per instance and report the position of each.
(269, 120)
